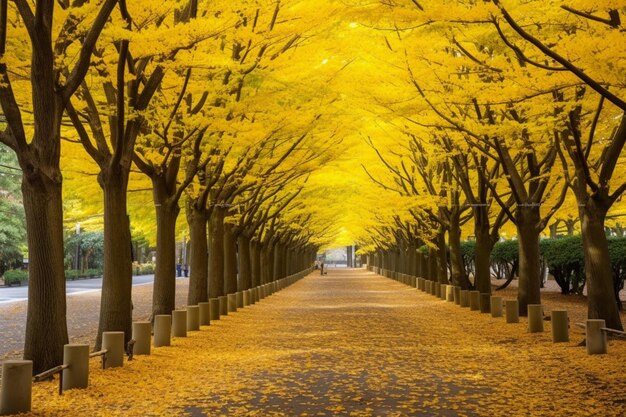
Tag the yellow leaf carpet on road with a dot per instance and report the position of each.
(352, 343)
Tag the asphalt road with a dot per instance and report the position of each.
(13, 294)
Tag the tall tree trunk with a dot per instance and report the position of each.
(442, 258)
(216, 252)
(482, 251)
(278, 261)
(255, 266)
(164, 295)
(116, 299)
(432, 264)
(46, 327)
(230, 260)
(245, 263)
(527, 221)
(457, 270)
(602, 303)
(198, 255)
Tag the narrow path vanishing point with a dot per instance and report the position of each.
(352, 343)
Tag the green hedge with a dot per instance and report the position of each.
(87, 273)
(563, 256)
(565, 260)
(15, 277)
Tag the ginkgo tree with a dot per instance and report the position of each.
(60, 38)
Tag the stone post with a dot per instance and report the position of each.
(179, 323)
(204, 313)
(162, 330)
(17, 386)
(113, 343)
(560, 326)
(512, 311)
(77, 374)
(193, 318)
(474, 300)
(535, 318)
(214, 309)
(496, 306)
(596, 339)
(142, 334)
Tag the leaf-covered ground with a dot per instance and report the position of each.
(355, 344)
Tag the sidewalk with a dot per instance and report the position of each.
(355, 344)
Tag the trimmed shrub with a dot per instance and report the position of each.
(146, 269)
(468, 250)
(617, 252)
(15, 277)
(504, 259)
(565, 260)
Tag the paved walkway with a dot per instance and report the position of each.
(355, 344)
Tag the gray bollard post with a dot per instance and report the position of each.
(465, 302)
(246, 298)
(193, 318)
(496, 306)
(257, 295)
(511, 308)
(535, 318)
(485, 303)
(77, 358)
(597, 343)
(232, 302)
(450, 293)
(214, 309)
(457, 295)
(223, 305)
(142, 335)
(204, 313)
(179, 323)
(162, 330)
(560, 326)
(427, 286)
(113, 343)
(17, 387)
(474, 300)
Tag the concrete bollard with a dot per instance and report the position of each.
(535, 318)
(485, 303)
(77, 375)
(214, 309)
(113, 343)
(560, 326)
(162, 330)
(223, 305)
(511, 308)
(204, 313)
(474, 300)
(246, 298)
(443, 290)
(465, 298)
(239, 297)
(142, 334)
(257, 295)
(457, 295)
(179, 323)
(193, 318)
(450, 293)
(427, 287)
(597, 343)
(17, 387)
(496, 306)
(232, 302)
